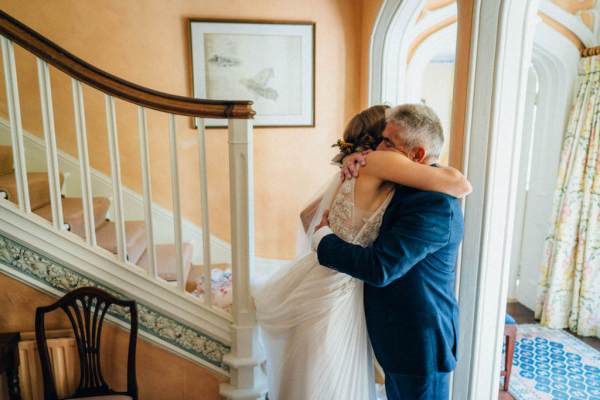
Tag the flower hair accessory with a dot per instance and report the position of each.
(346, 148)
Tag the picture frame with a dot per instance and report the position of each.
(271, 63)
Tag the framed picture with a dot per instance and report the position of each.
(270, 63)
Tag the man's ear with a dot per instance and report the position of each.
(419, 155)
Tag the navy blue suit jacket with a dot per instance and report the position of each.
(409, 274)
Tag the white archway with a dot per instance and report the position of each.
(397, 28)
(389, 48)
(501, 51)
(429, 76)
(409, 40)
(442, 42)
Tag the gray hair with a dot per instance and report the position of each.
(422, 127)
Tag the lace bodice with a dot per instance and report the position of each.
(351, 223)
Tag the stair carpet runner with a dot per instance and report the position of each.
(135, 234)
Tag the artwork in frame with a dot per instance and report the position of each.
(270, 63)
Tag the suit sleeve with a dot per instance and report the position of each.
(415, 233)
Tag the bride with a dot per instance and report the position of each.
(311, 318)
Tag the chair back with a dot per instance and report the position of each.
(86, 308)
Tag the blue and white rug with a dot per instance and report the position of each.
(551, 364)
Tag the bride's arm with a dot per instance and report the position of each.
(308, 213)
(395, 167)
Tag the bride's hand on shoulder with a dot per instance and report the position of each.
(352, 163)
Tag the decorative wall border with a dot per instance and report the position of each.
(42, 272)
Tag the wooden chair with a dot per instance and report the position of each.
(510, 335)
(86, 308)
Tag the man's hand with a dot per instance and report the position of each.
(352, 163)
(324, 220)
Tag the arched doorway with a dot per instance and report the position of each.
(412, 57)
(502, 49)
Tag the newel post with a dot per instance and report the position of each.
(248, 380)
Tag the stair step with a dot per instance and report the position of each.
(6, 160)
(135, 237)
(39, 189)
(166, 264)
(73, 213)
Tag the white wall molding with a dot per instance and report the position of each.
(389, 49)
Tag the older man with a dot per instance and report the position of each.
(410, 307)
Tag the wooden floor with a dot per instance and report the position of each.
(524, 315)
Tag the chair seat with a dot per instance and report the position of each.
(508, 320)
(107, 397)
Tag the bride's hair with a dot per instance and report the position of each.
(364, 129)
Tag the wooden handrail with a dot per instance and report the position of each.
(590, 51)
(115, 86)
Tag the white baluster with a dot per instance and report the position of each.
(84, 163)
(247, 379)
(147, 189)
(115, 167)
(50, 138)
(204, 204)
(176, 204)
(16, 126)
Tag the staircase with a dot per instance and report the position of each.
(57, 243)
(135, 233)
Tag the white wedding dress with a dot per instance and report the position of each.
(312, 318)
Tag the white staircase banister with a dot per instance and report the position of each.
(175, 195)
(50, 137)
(90, 262)
(115, 168)
(84, 163)
(147, 189)
(206, 258)
(16, 125)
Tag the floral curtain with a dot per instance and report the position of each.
(569, 294)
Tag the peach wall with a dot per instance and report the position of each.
(161, 375)
(147, 43)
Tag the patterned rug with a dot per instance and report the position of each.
(551, 364)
